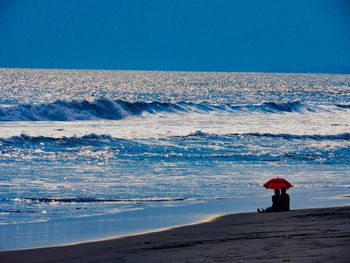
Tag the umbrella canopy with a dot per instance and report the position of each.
(277, 183)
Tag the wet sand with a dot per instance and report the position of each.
(307, 235)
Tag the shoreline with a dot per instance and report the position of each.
(69, 231)
(61, 232)
(305, 235)
(106, 239)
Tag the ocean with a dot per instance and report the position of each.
(81, 143)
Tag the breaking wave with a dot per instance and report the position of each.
(286, 136)
(89, 139)
(103, 108)
(93, 139)
(99, 200)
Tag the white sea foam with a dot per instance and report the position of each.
(95, 142)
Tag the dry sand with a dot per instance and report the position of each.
(308, 235)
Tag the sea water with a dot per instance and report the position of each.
(85, 143)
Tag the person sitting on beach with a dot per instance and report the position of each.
(285, 200)
(276, 203)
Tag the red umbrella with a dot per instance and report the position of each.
(277, 183)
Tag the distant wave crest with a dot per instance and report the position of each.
(88, 139)
(98, 200)
(100, 108)
(103, 108)
(24, 140)
(317, 137)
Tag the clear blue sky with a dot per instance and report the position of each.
(196, 35)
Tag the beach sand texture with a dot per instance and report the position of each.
(307, 235)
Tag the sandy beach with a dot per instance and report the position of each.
(306, 235)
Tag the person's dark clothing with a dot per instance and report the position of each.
(276, 204)
(285, 202)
